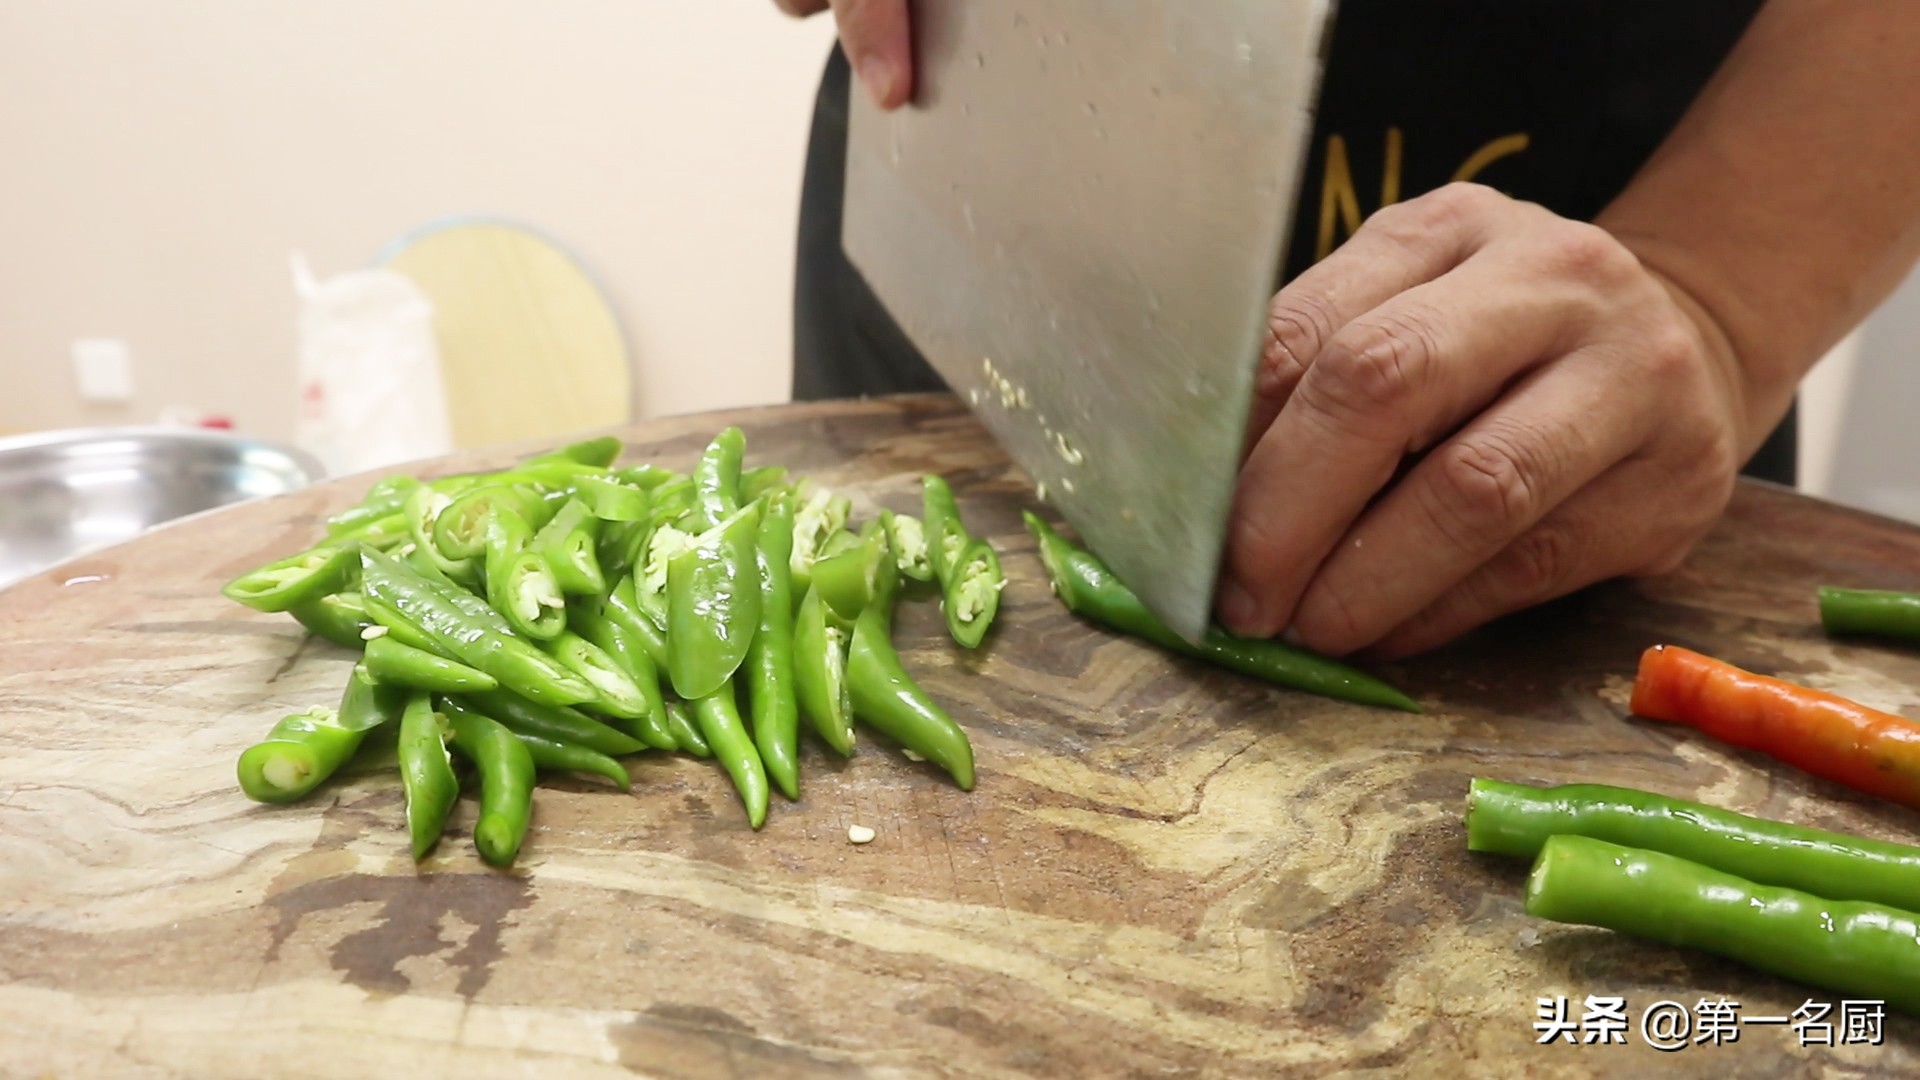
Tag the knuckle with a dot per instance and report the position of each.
(1542, 560)
(1450, 206)
(1486, 490)
(1588, 252)
(1327, 622)
(1297, 326)
(1376, 368)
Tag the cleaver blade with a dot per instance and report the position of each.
(1080, 221)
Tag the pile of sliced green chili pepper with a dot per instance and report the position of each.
(565, 613)
(1831, 910)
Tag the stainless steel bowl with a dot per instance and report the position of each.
(65, 493)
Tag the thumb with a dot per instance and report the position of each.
(877, 38)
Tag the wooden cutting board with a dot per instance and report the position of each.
(1166, 870)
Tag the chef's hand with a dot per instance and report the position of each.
(1470, 407)
(873, 33)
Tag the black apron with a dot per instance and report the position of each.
(1555, 101)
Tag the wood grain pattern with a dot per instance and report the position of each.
(1166, 870)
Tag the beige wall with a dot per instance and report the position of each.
(159, 159)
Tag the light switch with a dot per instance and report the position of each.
(104, 369)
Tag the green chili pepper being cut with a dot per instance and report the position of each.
(426, 773)
(666, 544)
(716, 479)
(561, 724)
(908, 539)
(460, 529)
(1846, 946)
(768, 671)
(381, 533)
(848, 579)
(1089, 589)
(713, 605)
(818, 514)
(765, 480)
(506, 783)
(1513, 819)
(386, 497)
(628, 653)
(622, 608)
(619, 695)
(972, 593)
(569, 543)
(403, 665)
(686, 731)
(946, 534)
(423, 509)
(612, 499)
(673, 500)
(598, 452)
(719, 718)
(1873, 612)
(820, 673)
(521, 585)
(886, 697)
(304, 749)
(516, 664)
(296, 580)
(340, 618)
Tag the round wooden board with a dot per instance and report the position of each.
(1166, 870)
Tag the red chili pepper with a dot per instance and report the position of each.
(1827, 735)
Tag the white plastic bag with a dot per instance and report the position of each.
(371, 393)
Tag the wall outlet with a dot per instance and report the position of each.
(103, 368)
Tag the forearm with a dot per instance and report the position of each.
(1786, 204)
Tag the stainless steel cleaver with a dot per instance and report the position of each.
(1080, 221)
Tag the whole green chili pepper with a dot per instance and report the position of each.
(885, 696)
(599, 452)
(1876, 612)
(340, 618)
(713, 605)
(716, 479)
(848, 580)
(820, 673)
(1853, 948)
(403, 665)
(569, 542)
(629, 654)
(1513, 819)
(612, 499)
(552, 756)
(520, 583)
(768, 671)
(1089, 589)
(908, 539)
(297, 579)
(818, 514)
(506, 783)
(765, 480)
(719, 718)
(394, 586)
(972, 592)
(559, 723)
(423, 508)
(426, 773)
(686, 732)
(304, 749)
